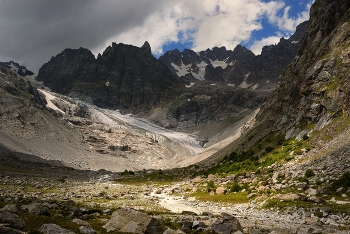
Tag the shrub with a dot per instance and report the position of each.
(268, 149)
(309, 173)
(210, 186)
(343, 181)
(235, 187)
(305, 137)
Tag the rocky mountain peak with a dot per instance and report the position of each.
(124, 77)
(20, 70)
(146, 48)
(240, 67)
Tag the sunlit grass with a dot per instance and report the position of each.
(232, 198)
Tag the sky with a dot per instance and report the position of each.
(32, 31)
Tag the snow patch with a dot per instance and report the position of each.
(181, 70)
(218, 63)
(231, 85)
(255, 87)
(107, 83)
(294, 42)
(14, 68)
(49, 97)
(244, 84)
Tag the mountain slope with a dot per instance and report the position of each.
(314, 89)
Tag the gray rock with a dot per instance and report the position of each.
(37, 208)
(221, 190)
(12, 220)
(81, 222)
(52, 228)
(198, 224)
(12, 208)
(8, 230)
(171, 231)
(302, 185)
(311, 191)
(254, 231)
(129, 220)
(227, 224)
(87, 230)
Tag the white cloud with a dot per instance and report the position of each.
(284, 22)
(258, 45)
(210, 23)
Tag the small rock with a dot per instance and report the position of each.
(302, 186)
(81, 222)
(251, 195)
(289, 197)
(87, 230)
(211, 177)
(254, 231)
(7, 230)
(311, 191)
(53, 229)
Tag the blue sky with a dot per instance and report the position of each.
(47, 27)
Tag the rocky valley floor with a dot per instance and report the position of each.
(40, 198)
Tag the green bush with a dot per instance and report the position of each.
(305, 137)
(210, 186)
(309, 173)
(235, 187)
(343, 181)
(268, 149)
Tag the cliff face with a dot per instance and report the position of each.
(314, 88)
(124, 77)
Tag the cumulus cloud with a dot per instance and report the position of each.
(258, 45)
(33, 31)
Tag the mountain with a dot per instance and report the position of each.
(239, 67)
(307, 116)
(20, 70)
(124, 77)
(314, 89)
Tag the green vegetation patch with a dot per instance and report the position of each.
(232, 198)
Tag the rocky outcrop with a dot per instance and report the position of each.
(206, 103)
(314, 88)
(132, 221)
(124, 77)
(239, 67)
(20, 70)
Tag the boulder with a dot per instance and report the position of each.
(211, 177)
(311, 191)
(130, 220)
(12, 220)
(171, 231)
(52, 228)
(221, 190)
(87, 230)
(37, 208)
(289, 197)
(8, 230)
(226, 224)
(302, 186)
(81, 222)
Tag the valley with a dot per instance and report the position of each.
(216, 141)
